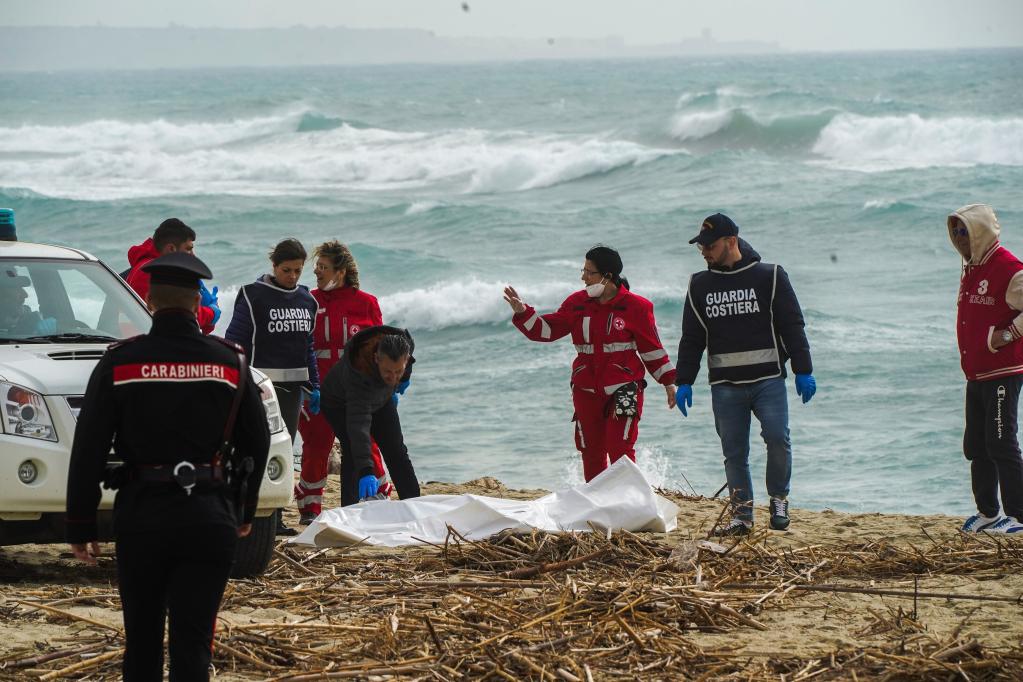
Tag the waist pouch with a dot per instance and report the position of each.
(624, 401)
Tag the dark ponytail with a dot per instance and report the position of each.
(609, 263)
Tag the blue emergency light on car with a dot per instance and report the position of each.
(8, 232)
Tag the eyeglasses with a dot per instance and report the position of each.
(591, 273)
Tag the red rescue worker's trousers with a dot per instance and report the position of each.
(317, 441)
(600, 438)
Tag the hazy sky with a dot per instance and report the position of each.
(794, 24)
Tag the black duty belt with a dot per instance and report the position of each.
(184, 473)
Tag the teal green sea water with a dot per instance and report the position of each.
(452, 181)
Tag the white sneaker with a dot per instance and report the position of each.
(1007, 525)
(979, 522)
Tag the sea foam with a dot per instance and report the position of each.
(892, 142)
(296, 152)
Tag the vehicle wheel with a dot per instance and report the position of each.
(252, 554)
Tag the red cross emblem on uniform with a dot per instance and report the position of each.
(354, 330)
(619, 323)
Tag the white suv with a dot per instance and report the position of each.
(59, 310)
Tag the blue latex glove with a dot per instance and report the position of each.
(367, 486)
(216, 311)
(207, 298)
(684, 398)
(403, 386)
(806, 386)
(47, 325)
(314, 401)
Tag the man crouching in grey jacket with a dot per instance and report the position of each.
(358, 403)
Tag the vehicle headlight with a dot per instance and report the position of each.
(25, 413)
(273, 410)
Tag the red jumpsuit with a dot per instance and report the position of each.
(342, 313)
(614, 341)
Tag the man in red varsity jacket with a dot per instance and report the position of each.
(989, 326)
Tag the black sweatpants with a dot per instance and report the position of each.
(991, 446)
(180, 573)
(386, 431)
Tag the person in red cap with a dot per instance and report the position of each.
(172, 236)
(615, 337)
(344, 310)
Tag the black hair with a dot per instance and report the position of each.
(172, 231)
(609, 263)
(288, 249)
(162, 296)
(394, 346)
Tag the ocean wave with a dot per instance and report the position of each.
(471, 301)
(892, 142)
(417, 207)
(160, 134)
(297, 152)
(887, 205)
(740, 127)
(465, 302)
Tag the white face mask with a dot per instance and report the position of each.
(595, 290)
(329, 286)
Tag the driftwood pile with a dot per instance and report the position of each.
(587, 606)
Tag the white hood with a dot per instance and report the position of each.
(50, 369)
(982, 225)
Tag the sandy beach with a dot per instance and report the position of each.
(750, 614)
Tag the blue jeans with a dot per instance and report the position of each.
(733, 404)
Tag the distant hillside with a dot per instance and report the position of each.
(99, 47)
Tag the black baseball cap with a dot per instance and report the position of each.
(177, 269)
(714, 228)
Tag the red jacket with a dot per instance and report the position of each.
(982, 309)
(614, 340)
(342, 314)
(139, 255)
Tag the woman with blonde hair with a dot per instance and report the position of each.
(343, 310)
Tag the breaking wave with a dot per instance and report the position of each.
(297, 152)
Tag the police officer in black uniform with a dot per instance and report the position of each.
(173, 403)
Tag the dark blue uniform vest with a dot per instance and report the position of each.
(275, 327)
(748, 320)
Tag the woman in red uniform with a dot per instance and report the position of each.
(344, 309)
(615, 335)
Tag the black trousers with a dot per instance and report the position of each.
(289, 399)
(991, 446)
(386, 431)
(180, 573)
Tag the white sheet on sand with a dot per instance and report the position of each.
(619, 498)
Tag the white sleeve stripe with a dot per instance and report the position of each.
(653, 355)
(531, 322)
(666, 367)
(545, 329)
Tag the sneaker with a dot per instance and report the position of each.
(733, 528)
(779, 513)
(306, 518)
(1007, 525)
(979, 522)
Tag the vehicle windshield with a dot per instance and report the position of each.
(54, 301)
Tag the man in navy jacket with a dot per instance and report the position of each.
(745, 314)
